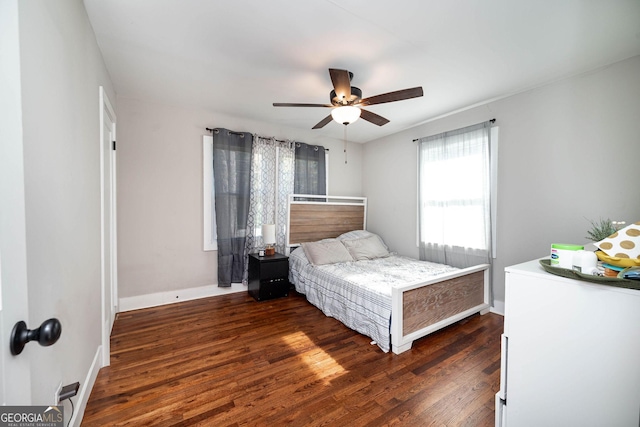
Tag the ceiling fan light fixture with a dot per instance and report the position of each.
(346, 100)
(345, 115)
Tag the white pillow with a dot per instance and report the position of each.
(355, 234)
(326, 252)
(370, 247)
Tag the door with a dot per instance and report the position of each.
(14, 370)
(108, 219)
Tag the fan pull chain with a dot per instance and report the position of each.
(345, 143)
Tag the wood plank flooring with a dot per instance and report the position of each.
(232, 361)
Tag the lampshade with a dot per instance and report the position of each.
(345, 115)
(268, 233)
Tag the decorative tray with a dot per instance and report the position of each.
(601, 280)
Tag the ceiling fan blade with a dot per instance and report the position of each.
(323, 122)
(286, 104)
(398, 95)
(341, 83)
(373, 118)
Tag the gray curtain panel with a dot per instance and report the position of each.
(232, 178)
(310, 172)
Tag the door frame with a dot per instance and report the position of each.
(108, 231)
(15, 371)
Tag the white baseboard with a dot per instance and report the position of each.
(498, 307)
(170, 297)
(85, 389)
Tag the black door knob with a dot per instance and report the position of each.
(47, 334)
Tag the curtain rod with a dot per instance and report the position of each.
(216, 130)
(311, 145)
(491, 120)
(274, 138)
(240, 133)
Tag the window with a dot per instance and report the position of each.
(456, 196)
(208, 196)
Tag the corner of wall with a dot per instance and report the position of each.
(498, 307)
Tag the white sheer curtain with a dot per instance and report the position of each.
(272, 175)
(454, 199)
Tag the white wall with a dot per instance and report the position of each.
(61, 71)
(568, 153)
(159, 156)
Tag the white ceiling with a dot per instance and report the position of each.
(237, 57)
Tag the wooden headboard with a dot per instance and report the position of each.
(312, 217)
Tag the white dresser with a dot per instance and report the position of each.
(570, 352)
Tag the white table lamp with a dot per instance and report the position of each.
(269, 238)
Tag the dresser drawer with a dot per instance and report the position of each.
(274, 269)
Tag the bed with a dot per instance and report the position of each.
(350, 274)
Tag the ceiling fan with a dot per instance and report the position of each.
(347, 101)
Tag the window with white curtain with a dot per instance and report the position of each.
(456, 193)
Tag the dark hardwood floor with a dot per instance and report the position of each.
(232, 361)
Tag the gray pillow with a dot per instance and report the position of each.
(370, 247)
(326, 252)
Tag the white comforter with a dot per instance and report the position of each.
(358, 293)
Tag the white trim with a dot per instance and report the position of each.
(326, 170)
(180, 295)
(85, 388)
(208, 242)
(355, 201)
(1, 358)
(417, 195)
(493, 159)
(109, 291)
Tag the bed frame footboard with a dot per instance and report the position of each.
(419, 309)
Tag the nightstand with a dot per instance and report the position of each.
(268, 276)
